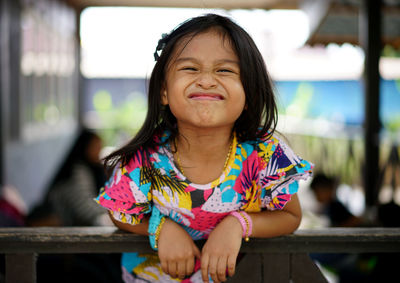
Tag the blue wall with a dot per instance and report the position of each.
(331, 99)
(336, 100)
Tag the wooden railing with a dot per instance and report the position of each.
(285, 257)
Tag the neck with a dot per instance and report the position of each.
(202, 155)
(203, 142)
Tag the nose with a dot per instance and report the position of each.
(206, 80)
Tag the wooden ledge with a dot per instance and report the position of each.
(111, 240)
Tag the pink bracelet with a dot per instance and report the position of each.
(245, 221)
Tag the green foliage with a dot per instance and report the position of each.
(118, 123)
(38, 112)
(390, 51)
(300, 105)
(393, 126)
(340, 157)
(102, 101)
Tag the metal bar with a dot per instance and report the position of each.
(79, 85)
(4, 81)
(15, 10)
(370, 38)
(20, 268)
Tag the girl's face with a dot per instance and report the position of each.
(203, 87)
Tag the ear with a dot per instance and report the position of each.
(164, 97)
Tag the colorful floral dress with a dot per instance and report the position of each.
(259, 175)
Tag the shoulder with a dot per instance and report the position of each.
(143, 160)
(137, 160)
(266, 146)
(271, 141)
(276, 157)
(276, 148)
(267, 143)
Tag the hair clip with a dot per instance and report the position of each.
(160, 46)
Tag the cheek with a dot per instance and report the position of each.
(178, 111)
(240, 98)
(239, 107)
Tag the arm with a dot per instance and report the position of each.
(140, 229)
(221, 249)
(176, 249)
(269, 224)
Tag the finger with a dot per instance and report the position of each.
(181, 269)
(164, 266)
(196, 252)
(231, 265)
(172, 268)
(196, 260)
(189, 266)
(204, 268)
(221, 268)
(212, 268)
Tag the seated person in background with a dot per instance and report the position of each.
(69, 201)
(345, 266)
(324, 188)
(12, 208)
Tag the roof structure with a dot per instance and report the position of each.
(207, 4)
(338, 21)
(331, 21)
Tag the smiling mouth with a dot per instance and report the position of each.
(206, 96)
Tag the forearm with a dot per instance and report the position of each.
(140, 229)
(268, 224)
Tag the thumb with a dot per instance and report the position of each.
(196, 251)
(197, 255)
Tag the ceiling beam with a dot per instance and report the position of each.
(203, 4)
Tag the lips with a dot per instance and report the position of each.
(206, 96)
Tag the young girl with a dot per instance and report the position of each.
(205, 164)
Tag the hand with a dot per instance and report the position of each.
(221, 250)
(176, 250)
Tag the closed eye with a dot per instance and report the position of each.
(189, 69)
(225, 71)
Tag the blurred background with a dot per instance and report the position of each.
(73, 82)
(71, 64)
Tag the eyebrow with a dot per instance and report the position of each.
(182, 59)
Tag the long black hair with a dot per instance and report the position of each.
(257, 120)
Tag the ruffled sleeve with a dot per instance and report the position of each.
(127, 194)
(280, 169)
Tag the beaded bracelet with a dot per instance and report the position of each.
(156, 222)
(157, 234)
(245, 221)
